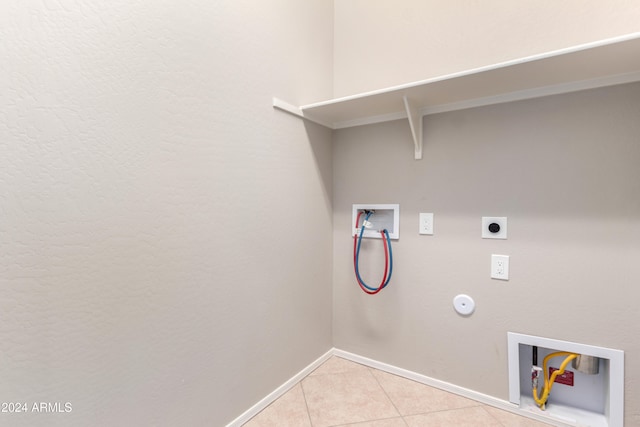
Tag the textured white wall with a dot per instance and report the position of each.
(379, 43)
(165, 235)
(563, 169)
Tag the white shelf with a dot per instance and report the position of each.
(603, 63)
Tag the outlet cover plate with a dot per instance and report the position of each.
(502, 223)
(500, 267)
(426, 223)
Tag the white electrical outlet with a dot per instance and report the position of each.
(426, 223)
(500, 267)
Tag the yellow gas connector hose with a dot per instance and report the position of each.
(548, 382)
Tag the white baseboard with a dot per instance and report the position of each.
(274, 395)
(423, 379)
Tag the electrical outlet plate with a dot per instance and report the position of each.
(500, 267)
(426, 223)
(386, 216)
(501, 221)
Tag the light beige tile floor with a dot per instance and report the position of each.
(341, 393)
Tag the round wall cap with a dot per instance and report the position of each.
(464, 304)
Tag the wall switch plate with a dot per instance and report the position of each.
(494, 227)
(500, 267)
(426, 223)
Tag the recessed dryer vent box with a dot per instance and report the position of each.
(385, 217)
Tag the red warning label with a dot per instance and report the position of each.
(566, 378)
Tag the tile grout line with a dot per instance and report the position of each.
(304, 396)
(371, 371)
(387, 394)
(493, 416)
(367, 422)
(403, 416)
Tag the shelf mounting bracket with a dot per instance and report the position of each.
(296, 111)
(415, 123)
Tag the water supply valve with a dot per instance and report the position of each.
(536, 371)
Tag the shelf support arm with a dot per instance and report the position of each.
(415, 123)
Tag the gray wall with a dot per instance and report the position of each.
(563, 169)
(165, 234)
